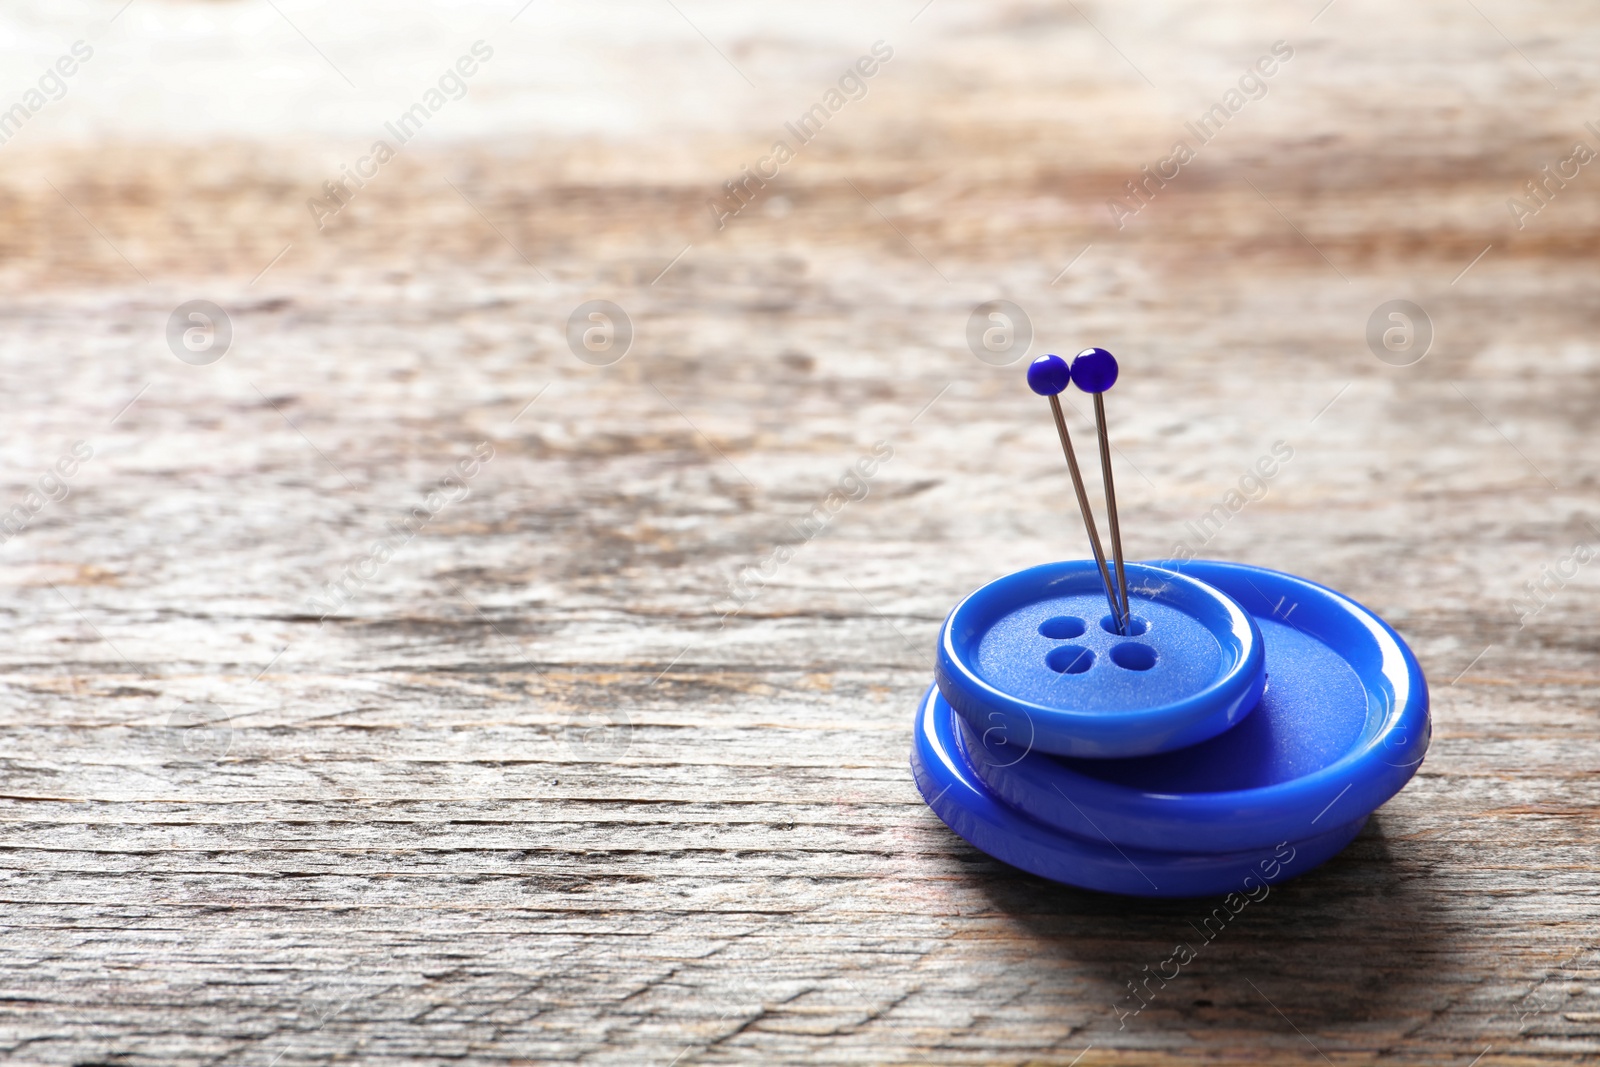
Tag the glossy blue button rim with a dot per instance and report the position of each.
(1099, 734)
(1382, 760)
(958, 796)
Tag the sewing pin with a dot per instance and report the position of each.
(1048, 376)
(1095, 371)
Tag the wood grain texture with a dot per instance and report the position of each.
(529, 797)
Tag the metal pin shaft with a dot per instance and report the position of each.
(1124, 616)
(1083, 506)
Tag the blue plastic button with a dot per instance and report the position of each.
(1033, 663)
(968, 807)
(1342, 726)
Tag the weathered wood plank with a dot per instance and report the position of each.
(528, 796)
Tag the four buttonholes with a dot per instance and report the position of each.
(1075, 659)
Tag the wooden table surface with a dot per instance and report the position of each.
(519, 789)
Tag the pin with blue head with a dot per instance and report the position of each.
(1094, 370)
(1049, 376)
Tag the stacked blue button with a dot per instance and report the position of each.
(1242, 729)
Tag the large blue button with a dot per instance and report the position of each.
(1094, 861)
(1033, 662)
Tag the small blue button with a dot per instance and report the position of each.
(1033, 658)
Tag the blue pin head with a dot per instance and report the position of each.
(1095, 370)
(1048, 375)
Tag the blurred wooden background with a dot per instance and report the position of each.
(528, 796)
